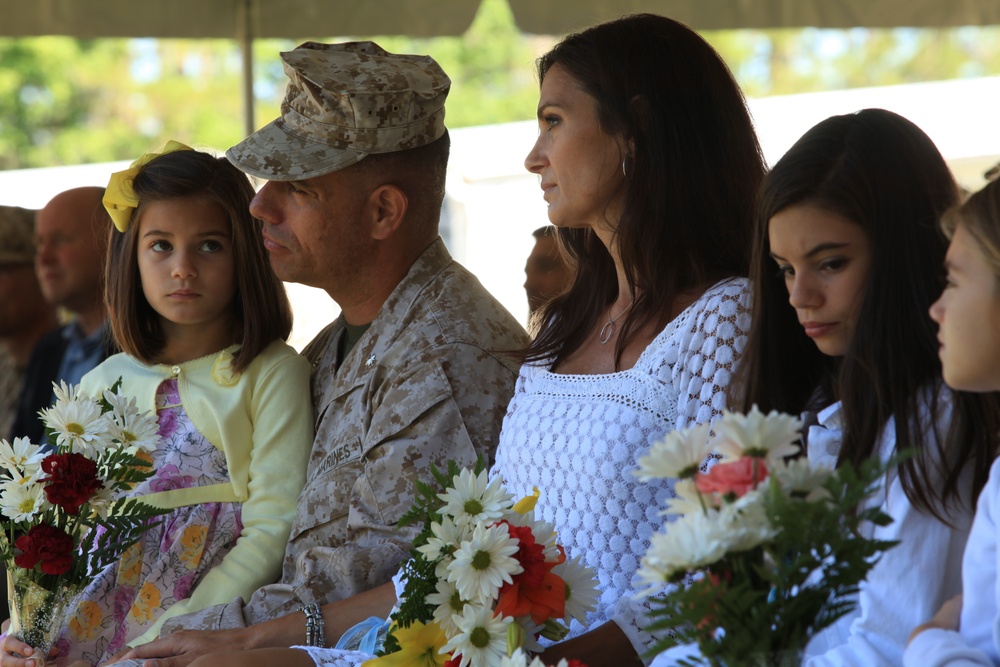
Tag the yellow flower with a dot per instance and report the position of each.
(131, 566)
(418, 647)
(144, 609)
(193, 541)
(526, 504)
(84, 623)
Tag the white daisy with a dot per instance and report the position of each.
(530, 631)
(802, 479)
(443, 567)
(79, 426)
(21, 502)
(103, 500)
(134, 430)
(520, 658)
(472, 499)
(21, 457)
(581, 588)
(517, 659)
(692, 541)
(484, 563)
(66, 393)
(744, 522)
(678, 455)
(688, 501)
(445, 540)
(482, 637)
(448, 604)
(770, 436)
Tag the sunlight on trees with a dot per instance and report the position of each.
(67, 101)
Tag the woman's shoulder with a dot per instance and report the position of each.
(715, 324)
(727, 301)
(729, 295)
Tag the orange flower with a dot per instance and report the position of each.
(84, 623)
(144, 609)
(130, 567)
(193, 541)
(543, 601)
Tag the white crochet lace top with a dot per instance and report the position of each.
(578, 437)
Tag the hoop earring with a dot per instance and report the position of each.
(624, 172)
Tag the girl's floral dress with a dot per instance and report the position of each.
(168, 562)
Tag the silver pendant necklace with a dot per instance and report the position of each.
(608, 330)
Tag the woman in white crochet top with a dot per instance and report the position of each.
(648, 161)
(649, 164)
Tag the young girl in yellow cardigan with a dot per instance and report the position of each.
(201, 319)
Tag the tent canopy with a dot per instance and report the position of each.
(295, 19)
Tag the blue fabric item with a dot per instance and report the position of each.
(83, 353)
(367, 635)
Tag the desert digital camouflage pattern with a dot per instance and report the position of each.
(17, 246)
(424, 385)
(17, 235)
(11, 378)
(343, 102)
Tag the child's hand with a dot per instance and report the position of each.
(946, 618)
(15, 653)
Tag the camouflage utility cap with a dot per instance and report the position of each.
(344, 102)
(17, 235)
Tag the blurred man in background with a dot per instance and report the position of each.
(71, 240)
(545, 273)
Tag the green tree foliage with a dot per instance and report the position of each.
(781, 62)
(491, 67)
(55, 95)
(67, 101)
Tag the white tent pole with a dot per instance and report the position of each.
(246, 52)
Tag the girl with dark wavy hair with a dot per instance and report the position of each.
(847, 260)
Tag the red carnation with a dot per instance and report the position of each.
(72, 480)
(46, 544)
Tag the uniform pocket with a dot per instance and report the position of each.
(327, 493)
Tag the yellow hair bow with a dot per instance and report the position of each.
(119, 196)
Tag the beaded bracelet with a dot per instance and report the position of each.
(315, 632)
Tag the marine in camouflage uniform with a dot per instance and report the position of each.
(24, 315)
(10, 385)
(425, 384)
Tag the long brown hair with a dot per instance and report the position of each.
(691, 179)
(260, 307)
(882, 172)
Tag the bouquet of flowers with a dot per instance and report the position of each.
(486, 578)
(520, 659)
(766, 550)
(63, 518)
